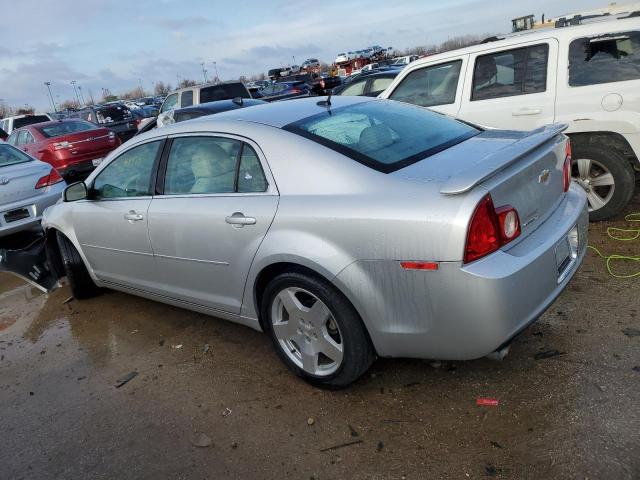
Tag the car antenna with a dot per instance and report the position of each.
(325, 103)
(238, 101)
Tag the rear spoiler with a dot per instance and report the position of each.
(487, 167)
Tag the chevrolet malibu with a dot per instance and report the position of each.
(345, 228)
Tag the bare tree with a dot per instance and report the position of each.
(69, 105)
(187, 83)
(5, 110)
(26, 110)
(162, 89)
(134, 93)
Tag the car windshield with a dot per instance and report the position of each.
(11, 156)
(65, 128)
(384, 135)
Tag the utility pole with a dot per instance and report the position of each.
(48, 84)
(73, 82)
(204, 72)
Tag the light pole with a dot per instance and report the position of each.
(81, 95)
(216, 68)
(73, 82)
(48, 84)
(204, 72)
(294, 59)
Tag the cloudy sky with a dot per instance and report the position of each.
(119, 44)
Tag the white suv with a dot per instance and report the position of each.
(587, 76)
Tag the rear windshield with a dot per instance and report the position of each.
(11, 156)
(223, 91)
(29, 120)
(115, 113)
(384, 135)
(65, 128)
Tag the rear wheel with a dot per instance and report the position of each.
(606, 176)
(316, 331)
(80, 281)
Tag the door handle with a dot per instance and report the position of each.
(526, 111)
(238, 220)
(132, 216)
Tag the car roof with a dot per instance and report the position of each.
(564, 33)
(279, 114)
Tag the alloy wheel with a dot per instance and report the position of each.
(307, 331)
(596, 180)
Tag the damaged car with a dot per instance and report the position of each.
(345, 228)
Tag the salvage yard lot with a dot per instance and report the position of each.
(572, 414)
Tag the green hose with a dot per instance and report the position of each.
(622, 235)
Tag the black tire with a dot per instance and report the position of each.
(621, 170)
(358, 352)
(80, 281)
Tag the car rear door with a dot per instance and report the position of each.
(512, 88)
(217, 203)
(111, 226)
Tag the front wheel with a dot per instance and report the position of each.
(606, 176)
(80, 281)
(316, 331)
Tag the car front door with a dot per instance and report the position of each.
(512, 88)
(437, 86)
(111, 225)
(218, 201)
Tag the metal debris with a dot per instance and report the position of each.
(127, 378)
(340, 445)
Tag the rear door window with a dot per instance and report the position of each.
(377, 85)
(186, 98)
(430, 86)
(604, 59)
(507, 73)
(356, 88)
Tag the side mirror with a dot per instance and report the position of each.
(75, 191)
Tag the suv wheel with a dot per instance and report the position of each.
(606, 176)
(316, 331)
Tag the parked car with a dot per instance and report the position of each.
(210, 92)
(587, 76)
(114, 115)
(73, 147)
(296, 218)
(143, 114)
(285, 90)
(209, 108)
(28, 187)
(310, 63)
(370, 85)
(341, 58)
(367, 68)
(10, 123)
(406, 60)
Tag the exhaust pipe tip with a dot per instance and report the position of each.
(499, 354)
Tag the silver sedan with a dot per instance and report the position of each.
(27, 187)
(345, 228)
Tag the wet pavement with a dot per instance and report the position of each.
(72, 407)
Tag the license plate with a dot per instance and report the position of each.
(566, 252)
(96, 161)
(15, 215)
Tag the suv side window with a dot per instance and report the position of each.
(429, 86)
(129, 175)
(170, 102)
(510, 72)
(186, 99)
(23, 137)
(13, 138)
(604, 59)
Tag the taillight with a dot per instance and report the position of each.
(566, 169)
(295, 90)
(490, 229)
(112, 136)
(48, 180)
(61, 145)
(322, 84)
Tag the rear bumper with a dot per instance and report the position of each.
(35, 205)
(461, 312)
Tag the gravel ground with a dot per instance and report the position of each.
(210, 399)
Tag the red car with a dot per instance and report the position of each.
(71, 146)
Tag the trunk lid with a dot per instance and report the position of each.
(88, 141)
(521, 169)
(18, 181)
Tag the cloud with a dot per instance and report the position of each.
(182, 23)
